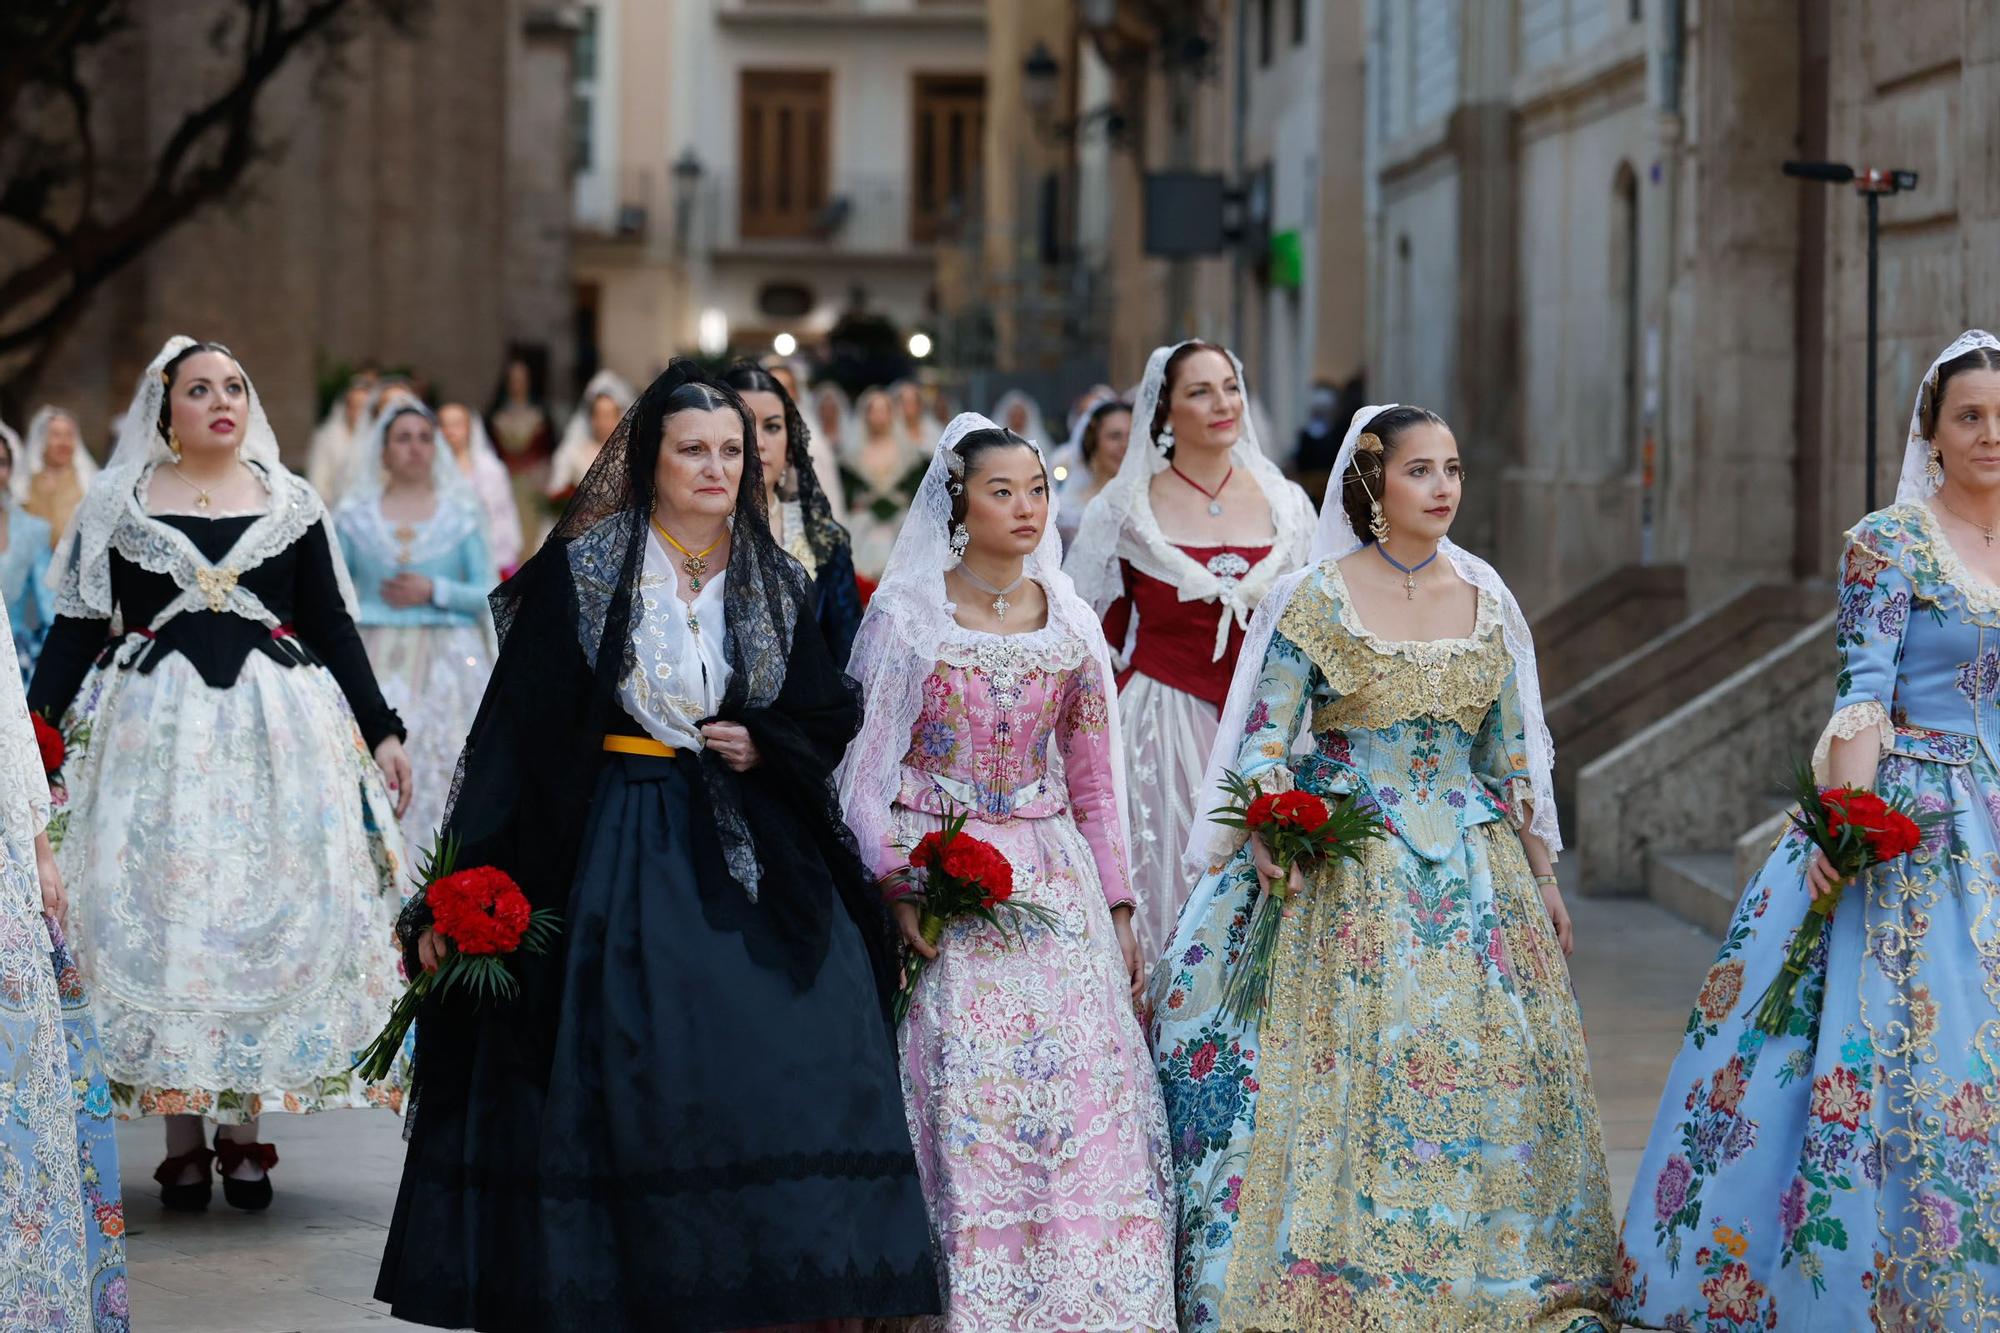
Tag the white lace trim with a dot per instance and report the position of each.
(1980, 595)
(1420, 650)
(1847, 723)
(1051, 648)
(24, 801)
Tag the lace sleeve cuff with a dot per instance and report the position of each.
(1846, 724)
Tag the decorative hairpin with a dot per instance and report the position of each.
(1369, 443)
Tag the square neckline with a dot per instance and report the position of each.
(1350, 616)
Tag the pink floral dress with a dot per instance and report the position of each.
(1039, 1129)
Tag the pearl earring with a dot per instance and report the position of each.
(1166, 441)
(960, 539)
(1934, 468)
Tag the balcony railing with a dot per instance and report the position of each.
(862, 216)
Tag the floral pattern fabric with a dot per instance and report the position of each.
(1843, 1174)
(1040, 1136)
(62, 1221)
(1406, 1139)
(235, 872)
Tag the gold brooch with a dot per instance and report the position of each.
(216, 585)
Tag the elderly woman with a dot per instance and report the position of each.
(690, 1112)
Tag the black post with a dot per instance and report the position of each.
(1874, 223)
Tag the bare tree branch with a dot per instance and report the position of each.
(48, 185)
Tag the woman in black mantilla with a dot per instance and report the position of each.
(689, 1118)
(802, 520)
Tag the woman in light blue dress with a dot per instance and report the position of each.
(62, 1220)
(1405, 1138)
(25, 543)
(413, 532)
(1842, 1175)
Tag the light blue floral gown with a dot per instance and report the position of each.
(1408, 1140)
(62, 1222)
(1842, 1176)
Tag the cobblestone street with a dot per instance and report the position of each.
(309, 1263)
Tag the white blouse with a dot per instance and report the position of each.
(681, 668)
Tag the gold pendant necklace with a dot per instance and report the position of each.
(200, 492)
(694, 563)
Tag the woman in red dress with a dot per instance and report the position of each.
(1175, 552)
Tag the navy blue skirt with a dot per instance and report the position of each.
(695, 1144)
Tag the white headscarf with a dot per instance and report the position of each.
(15, 455)
(82, 566)
(908, 620)
(1036, 430)
(1913, 486)
(26, 468)
(1119, 524)
(579, 446)
(1334, 538)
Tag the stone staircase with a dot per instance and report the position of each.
(1686, 808)
(1605, 621)
(1604, 707)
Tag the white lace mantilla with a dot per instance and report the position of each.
(162, 548)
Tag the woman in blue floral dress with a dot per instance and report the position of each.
(1405, 1139)
(62, 1222)
(1842, 1175)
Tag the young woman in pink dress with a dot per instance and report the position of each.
(1038, 1123)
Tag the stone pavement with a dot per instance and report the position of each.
(309, 1264)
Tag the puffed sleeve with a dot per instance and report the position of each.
(1874, 613)
(1500, 751)
(1083, 733)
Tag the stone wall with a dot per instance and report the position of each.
(1700, 776)
(393, 220)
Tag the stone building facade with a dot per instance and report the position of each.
(1650, 341)
(414, 210)
(1266, 94)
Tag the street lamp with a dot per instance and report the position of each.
(784, 344)
(1039, 73)
(687, 172)
(1870, 185)
(920, 345)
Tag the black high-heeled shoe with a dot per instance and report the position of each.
(252, 1196)
(189, 1198)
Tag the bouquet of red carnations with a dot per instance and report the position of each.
(1856, 829)
(962, 876)
(1296, 826)
(483, 916)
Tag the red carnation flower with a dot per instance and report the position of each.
(481, 911)
(50, 742)
(1263, 810)
(1301, 809)
(925, 854)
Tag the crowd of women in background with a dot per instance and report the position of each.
(267, 695)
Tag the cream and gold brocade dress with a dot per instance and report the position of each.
(1408, 1139)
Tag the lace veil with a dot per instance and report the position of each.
(1913, 485)
(573, 456)
(1119, 524)
(38, 448)
(83, 558)
(908, 620)
(1334, 538)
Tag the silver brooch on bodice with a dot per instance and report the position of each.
(1228, 568)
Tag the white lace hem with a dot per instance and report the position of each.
(1846, 724)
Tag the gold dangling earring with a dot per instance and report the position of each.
(173, 444)
(1934, 469)
(1378, 522)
